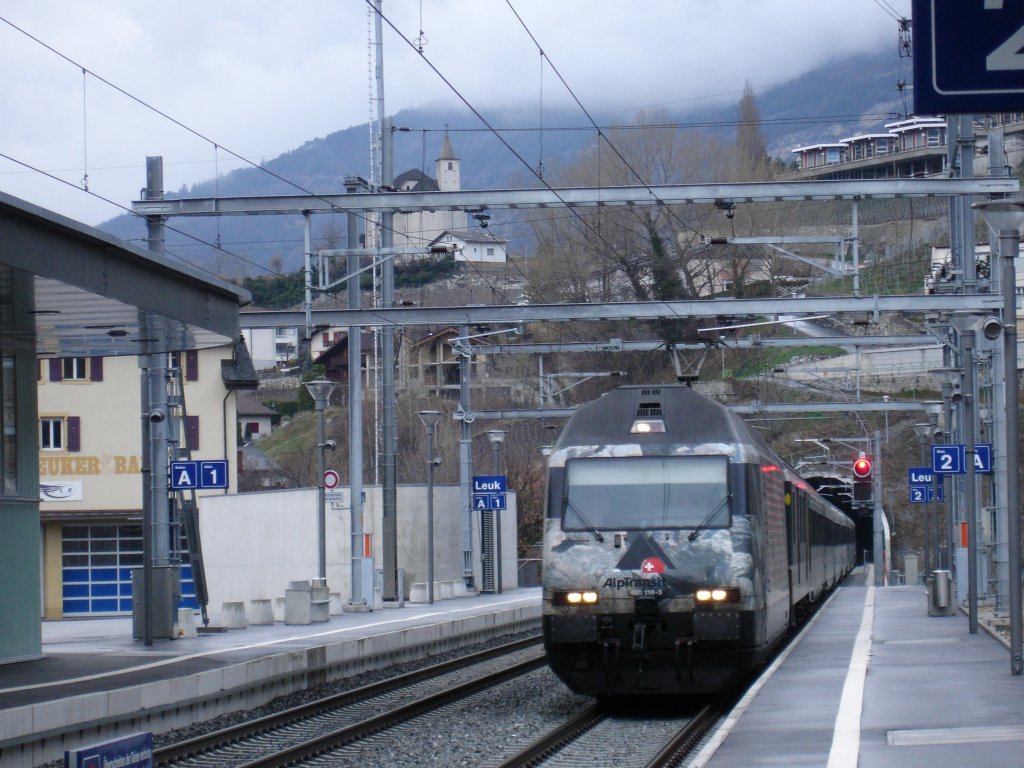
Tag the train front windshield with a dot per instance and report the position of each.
(646, 492)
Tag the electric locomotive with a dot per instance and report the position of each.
(678, 548)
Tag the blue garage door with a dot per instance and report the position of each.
(97, 563)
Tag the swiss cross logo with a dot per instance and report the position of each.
(645, 556)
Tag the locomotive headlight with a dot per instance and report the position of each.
(576, 597)
(717, 595)
(647, 426)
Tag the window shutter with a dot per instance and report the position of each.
(191, 365)
(96, 369)
(74, 434)
(56, 369)
(192, 432)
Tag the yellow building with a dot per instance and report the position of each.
(90, 466)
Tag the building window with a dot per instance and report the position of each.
(60, 434)
(51, 434)
(74, 369)
(490, 251)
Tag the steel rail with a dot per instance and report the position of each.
(169, 754)
(556, 738)
(343, 736)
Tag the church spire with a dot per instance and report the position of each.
(447, 166)
(447, 153)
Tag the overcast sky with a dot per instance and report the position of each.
(259, 78)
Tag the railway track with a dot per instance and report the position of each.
(301, 733)
(595, 738)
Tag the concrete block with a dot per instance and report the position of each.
(320, 602)
(447, 590)
(337, 606)
(298, 604)
(233, 615)
(418, 592)
(459, 588)
(261, 612)
(278, 609)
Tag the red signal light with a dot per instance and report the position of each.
(862, 468)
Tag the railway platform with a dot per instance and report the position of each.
(94, 673)
(875, 682)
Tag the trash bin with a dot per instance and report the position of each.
(940, 594)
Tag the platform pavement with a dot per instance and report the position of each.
(94, 674)
(875, 682)
(83, 655)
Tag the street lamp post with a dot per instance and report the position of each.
(497, 437)
(967, 340)
(924, 436)
(320, 391)
(430, 419)
(1007, 218)
(950, 380)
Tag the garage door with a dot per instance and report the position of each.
(97, 563)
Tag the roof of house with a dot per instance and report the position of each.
(248, 405)
(471, 236)
(239, 372)
(415, 180)
(341, 345)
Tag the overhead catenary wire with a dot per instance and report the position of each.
(85, 134)
(198, 240)
(198, 134)
(601, 134)
(526, 164)
(888, 9)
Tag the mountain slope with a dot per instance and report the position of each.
(847, 97)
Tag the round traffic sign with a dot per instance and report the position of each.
(331, 479)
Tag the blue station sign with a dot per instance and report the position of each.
(198, 475)
(489, 492)
(922, 494)
(922, 476)
(951, 459)
(968, 56)
(135, 751)
(948, 459)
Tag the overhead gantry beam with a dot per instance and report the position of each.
(748, 342)
(637, 310)
(577, 197)
(750, 408)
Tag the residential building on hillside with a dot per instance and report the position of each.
(255, 420)
(912, 147)
(271, 347)
(429, 362)
(334, 357)
(916, 146)
(474, 245)
(90, 466)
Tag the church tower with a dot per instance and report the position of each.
(447, 166)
